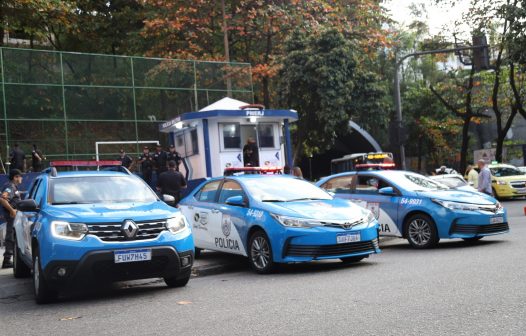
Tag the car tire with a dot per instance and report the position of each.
(260, 253)
(352, 260)
(43, 294)
(20, 269)
(175, 282)
(421, 231)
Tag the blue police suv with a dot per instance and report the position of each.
(98, 225)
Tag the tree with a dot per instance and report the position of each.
(317, 79)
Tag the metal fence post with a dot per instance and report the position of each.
(134, 107)
(4, 103)
(64, 104)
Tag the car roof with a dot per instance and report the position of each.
(88, 173)
(436, 177)
(501, 165)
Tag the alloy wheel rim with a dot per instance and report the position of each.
(260, 252)
(419, 231)
(36, 275)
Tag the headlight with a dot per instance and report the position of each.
(71, 231)
(463, 206)
(370, 218)
(296, 222)
(175, 224)
(502, 182)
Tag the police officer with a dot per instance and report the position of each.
(146, 161)
(172, 155)
(160, 159)
(171, 182)
(125, 159)
(36, 159)
(17, 158)
(9, 200)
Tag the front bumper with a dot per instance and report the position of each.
(506, 190)
(303, 245)
(100, 266)
(468, 224)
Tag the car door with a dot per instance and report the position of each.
(231, 233)
(202, 212)
(384, 207)
(26, 220)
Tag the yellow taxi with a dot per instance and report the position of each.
(507, 180)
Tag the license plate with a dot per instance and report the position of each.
(496, 220)
(125, 256)
(348, 238)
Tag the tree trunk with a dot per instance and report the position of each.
(500, 145)
(465, 143)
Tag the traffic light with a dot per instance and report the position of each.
(480, 55)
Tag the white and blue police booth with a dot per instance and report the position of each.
(212, 139)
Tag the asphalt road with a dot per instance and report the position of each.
(455, 289)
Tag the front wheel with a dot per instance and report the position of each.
(260, 253)
(43, 294)
(421, 231)
(20, 269)
(175, 282)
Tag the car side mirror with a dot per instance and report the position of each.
(387, 191)
(236, 201)
(168, 198)
(28, 205)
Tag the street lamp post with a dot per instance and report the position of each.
(398, 99)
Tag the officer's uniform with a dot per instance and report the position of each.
(36, 160)
(160, 162)
(146, 167)
(126, 161)
(10, 190)
(17, 159)
(170, 183)
(174, 156)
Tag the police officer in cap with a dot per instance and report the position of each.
(174, 156)
(125, 159)
(146, 161)
(9, 200)
(159, 157)
(171, 182)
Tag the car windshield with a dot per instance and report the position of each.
(99, 189)
(452, 182)
(505, 171)
(281, 189)
(417, 182)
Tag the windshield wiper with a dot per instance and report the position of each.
(272, 200)
(71, 202)
(306, 199)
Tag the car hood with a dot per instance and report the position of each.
(510, 178)
(112, 212)
(323, 210)
(459, 196)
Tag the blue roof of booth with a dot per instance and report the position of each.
(232, 110)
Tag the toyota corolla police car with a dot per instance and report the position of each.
(278, 219)
(91, 225)
(419, 209)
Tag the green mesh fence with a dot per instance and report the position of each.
(64, 102)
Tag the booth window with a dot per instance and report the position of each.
(186, 143)
(266, 135)
(231, 136)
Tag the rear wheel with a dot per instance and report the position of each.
(352, 260)
(260, 253)
(421, 231)
(20, 269)
(43, 294)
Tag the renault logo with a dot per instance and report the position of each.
(129, 228)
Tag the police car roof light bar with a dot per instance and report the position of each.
(375, 165)
(254, 170)
(81, 163)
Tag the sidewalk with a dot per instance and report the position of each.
(209, 263)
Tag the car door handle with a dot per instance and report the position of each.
(215, 211)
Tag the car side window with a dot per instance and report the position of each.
(230, 189)
(34, 187)
(367, 184)
(39, 193)
(339, 185)
(208, 192)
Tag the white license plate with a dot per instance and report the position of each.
(125, 256)
(348, 238)
(496, 220)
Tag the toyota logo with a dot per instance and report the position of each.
(129, 228)
(346, 225)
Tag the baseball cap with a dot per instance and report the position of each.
(172, 146)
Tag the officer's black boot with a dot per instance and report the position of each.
(7, 263)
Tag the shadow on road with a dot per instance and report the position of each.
(443, 245)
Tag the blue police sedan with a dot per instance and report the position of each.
(419, 209)
(278, 219)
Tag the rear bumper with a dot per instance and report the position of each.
(100, 266)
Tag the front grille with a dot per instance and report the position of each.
(113, 232)
(330, 250)
(479, 229)
(344, 224)
(518, 184)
